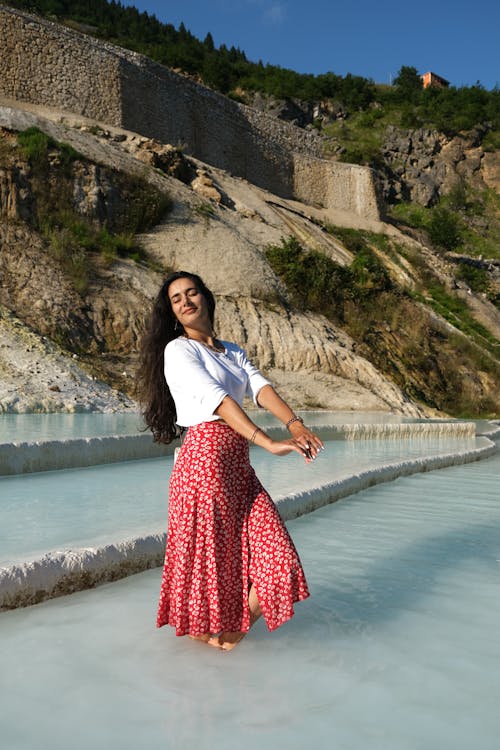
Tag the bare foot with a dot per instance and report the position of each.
(208, 638)
(230, 639)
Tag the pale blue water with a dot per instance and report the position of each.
(34, 427)
(397, 649)
(58, 510)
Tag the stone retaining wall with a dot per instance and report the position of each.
(45, 63)
(49, 64)
(337, 186)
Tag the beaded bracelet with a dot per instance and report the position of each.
(294, 419)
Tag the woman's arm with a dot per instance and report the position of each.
(231, 412)
(269, 399)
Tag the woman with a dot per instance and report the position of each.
(229, 557)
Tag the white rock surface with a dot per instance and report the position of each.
(36, 376)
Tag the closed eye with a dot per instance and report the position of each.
(191, 292)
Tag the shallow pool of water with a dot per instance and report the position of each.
(58, 510)
(397, 648)
(35, 427)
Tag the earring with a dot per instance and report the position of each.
(176, 326)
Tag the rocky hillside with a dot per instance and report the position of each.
(88, 229)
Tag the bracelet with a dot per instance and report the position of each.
(252, 439)
(294, 419)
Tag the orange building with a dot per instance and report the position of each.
(432, 79)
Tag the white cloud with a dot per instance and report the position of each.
(275, 13)
(270, 13)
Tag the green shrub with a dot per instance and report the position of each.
(410, 117)
(408, 83)
(476, 278)
(144, 206)
(491, 141)
(317, 283)
(352, 239)
(442, 225)
(314, 282)
(368, 118)
(369, 273)
(444, 228)
(395, 334)
(71, 255)
(78, 231)
(112, 246)
(456, 199)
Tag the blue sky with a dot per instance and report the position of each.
(459, 40)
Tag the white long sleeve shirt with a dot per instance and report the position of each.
(199, 378)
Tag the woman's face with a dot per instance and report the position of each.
(188, 304)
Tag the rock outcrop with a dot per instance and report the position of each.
(309, 357)
(426, 164)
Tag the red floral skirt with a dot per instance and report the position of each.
(224, 533)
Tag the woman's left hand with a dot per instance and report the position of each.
(305, 438)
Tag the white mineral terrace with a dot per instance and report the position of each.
(19, 457)
(397, 648)
(74, 528)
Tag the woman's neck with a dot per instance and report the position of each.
(204, 337)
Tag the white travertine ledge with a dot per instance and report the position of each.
(64, 572)
(50, 455)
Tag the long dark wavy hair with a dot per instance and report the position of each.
(158, 407)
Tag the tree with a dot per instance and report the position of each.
(408, 83)
(209, 42)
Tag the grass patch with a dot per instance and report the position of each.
(361, 135)
(205, 210)
(352, 239)
(71, 256)
(356, 240)
(411, 214)
(35, 146)
(361, 143)
(443, 226)
(141, 207)
(73, 238)
(456, 312)
(466, 221)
